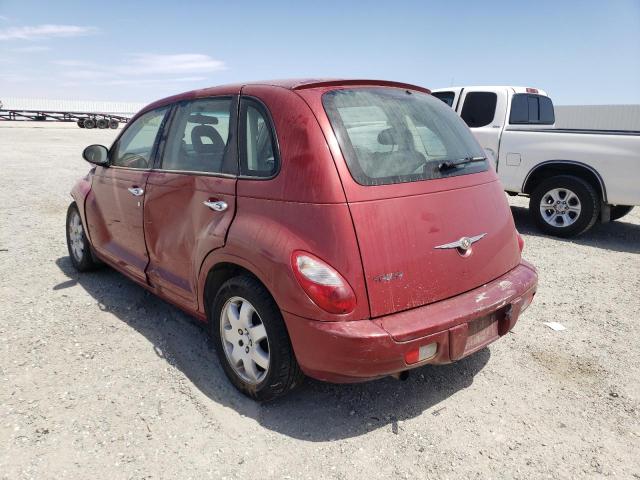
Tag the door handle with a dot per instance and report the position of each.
(137, 191)
(216, 205)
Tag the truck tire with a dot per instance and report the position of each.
(80, 123)
(564, 206)
(89, 123)
(113, 124)
(619, 211)
(102, 123)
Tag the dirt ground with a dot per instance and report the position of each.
(99, 379)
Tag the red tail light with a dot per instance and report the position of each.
(520, 241)
(324, 285)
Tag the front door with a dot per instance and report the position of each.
(190, 198)
(114, 208)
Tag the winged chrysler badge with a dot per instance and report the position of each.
(462, 244)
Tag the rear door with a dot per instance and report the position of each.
(114, 207)
(190, 198)
(484, 109)
(409, 210)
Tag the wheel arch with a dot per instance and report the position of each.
(564, 167)
(216, 269)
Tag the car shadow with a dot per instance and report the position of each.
(619, 236)
(315, 412)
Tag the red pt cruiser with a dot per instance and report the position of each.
(345, 230)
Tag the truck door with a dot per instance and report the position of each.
(484, 110)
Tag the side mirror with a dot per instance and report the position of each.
(96, 154)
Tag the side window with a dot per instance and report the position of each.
(258, 148)
(479, 108)
(135, 146)
(446, 97)
(531, 109)
(198, 137)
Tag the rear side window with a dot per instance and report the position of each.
(479, 108)
(258, 147)
(389, 135)
(198, 138)
(531, 109)
(446, 97)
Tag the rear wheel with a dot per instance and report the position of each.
(102, 123)
(251, 340)
(564, 206)
(89, 123)
(619, 211)
(77, 242)
(113, 124)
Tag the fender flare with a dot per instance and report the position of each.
(603, 188)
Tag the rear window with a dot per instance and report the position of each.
(389, 135)
(531, 109)
(446, 97)
(479, 109)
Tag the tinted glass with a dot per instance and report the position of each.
(390, 135)
(135, 146)
(446, 97)
(479, 108)
(258, 150)
(198, 137)
(531, 109)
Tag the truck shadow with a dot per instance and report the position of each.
(315, 412)
(619, 236)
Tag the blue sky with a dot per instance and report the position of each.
(581, 52)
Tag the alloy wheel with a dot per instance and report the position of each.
(76, 233)
(244, 340)
(560, 207)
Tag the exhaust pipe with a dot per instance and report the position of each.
(401, 376)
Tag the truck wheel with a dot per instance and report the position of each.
(103, 123)
(113, 124)
(564, 206)
(89, 123)
(80, 123)
(619, 211)
(252, 341)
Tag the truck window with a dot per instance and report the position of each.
(479, 108)
(446, 97)
(531, 109)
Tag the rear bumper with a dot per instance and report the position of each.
(360, 350)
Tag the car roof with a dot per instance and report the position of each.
(289, 84)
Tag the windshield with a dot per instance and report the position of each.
(388, 135)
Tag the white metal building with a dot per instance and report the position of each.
(598, 117)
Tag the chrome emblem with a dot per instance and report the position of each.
(463, 244)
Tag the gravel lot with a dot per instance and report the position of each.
(99, 379)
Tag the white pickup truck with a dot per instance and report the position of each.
(574, 178)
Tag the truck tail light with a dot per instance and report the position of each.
(520, 241)
(324, 285)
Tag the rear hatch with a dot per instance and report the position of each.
(417, 183)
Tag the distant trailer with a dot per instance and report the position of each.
(82, 119)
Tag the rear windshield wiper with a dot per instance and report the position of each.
(447, 164)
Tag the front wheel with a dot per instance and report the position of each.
(77, 242)
(251, 340)
(564, 206)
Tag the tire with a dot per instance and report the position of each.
(80, 123)
(78, 243)
(113, 124)
(282, 372)
(89, 123)
(102, 123)
(577, 211)
(619, 211)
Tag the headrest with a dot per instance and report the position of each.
(388, 136)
